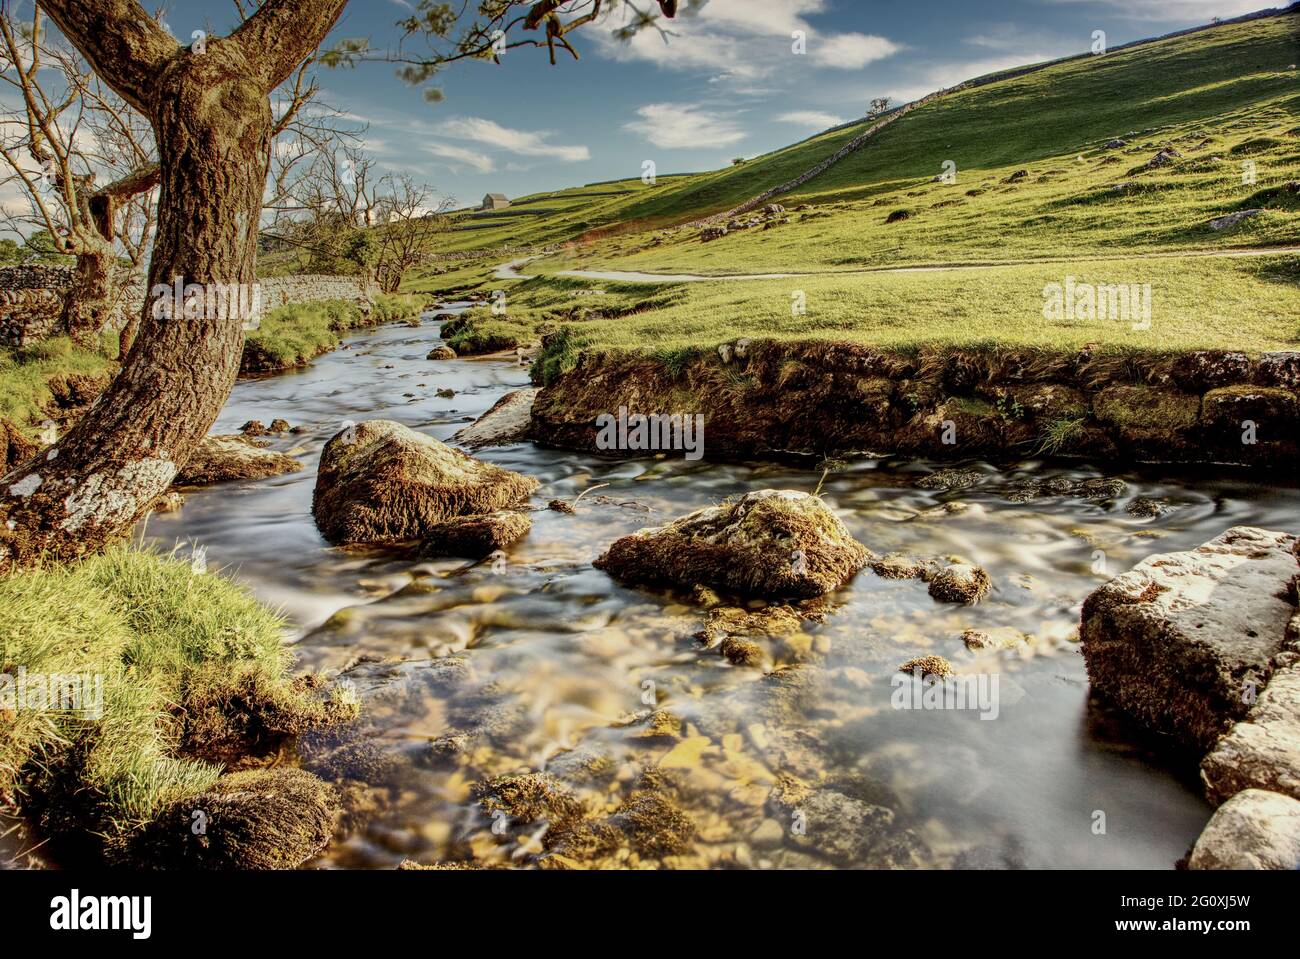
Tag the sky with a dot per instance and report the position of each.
(726, 83)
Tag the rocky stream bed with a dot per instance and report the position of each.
(575, 695)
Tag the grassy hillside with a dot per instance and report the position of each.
(1219, 98)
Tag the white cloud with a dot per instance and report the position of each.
(811, 118)
(521, 142)
(850, 51)
(746, 40)
(683, 126)
(462, 156)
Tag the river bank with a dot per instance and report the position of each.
(761, 397)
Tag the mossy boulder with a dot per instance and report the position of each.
(1280, 368)
(441, 353)
(382, 482)
(258, 819)
(960, 583)
(529, 798)
(1151, 423)
(768, 543)
(928, 666)
(1202, 370)
(476, 536)
(1274, 411)
(222, 459)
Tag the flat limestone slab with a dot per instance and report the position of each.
(1177, 640)
(503, 425)
(1252, 830)
(1263, 752)
(223, 458)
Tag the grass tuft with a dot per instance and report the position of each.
(158, 641)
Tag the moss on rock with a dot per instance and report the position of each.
(476, 536)
(769, 543)
(928, 666)
(258, 819)
(960, 583)
(382, 482)
(221, 459)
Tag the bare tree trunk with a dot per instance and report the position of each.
(212, 119)
(93, 297)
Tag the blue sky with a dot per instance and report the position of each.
(727, 84)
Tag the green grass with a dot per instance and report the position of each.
(535, 306)
(391, 307)
(25, 373)
(1250, 304)
(167, 643)
(296, 333)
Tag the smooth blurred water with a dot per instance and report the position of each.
(552, 656)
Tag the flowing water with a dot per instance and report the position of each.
(543, 663)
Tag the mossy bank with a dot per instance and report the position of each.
(762, 397)
(130, 685)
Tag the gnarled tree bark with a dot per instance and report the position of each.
(212, 119)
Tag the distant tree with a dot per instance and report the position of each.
(411, 216)
(879, 107)
(43, 247)
(739, 161)
(11, 253)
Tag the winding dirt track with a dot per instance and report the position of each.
(512, 271)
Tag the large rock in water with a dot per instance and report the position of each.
(1252, 830)
(506, 423)
(767, 543)
(1182, 640)
(381, 482)
(220, 459)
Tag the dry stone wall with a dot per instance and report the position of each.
(32, 297)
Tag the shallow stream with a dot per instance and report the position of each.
(469, 671)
